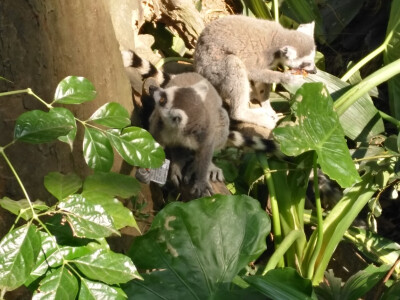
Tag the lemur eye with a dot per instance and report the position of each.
(162, 101)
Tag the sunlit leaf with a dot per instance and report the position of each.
(74, 90)
(19, 249)
(317, 128)
(112, 115)
(16, 207)
(60, 185)
(58, 284)
(91, 290)
(97, 150)
(108, 267)
(70, 137)
(37, 126)
(137, 147)
(87, 219)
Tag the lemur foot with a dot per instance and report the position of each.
(215, 173)
(201, 189)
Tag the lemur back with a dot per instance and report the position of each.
(187, 113)
(234, 50)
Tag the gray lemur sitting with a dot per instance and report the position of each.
(186, 112)
(234, 50)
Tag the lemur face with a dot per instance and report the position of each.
(289, 57)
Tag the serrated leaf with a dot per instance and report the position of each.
(87, 220)
(97, 150)
(112, 115)
(74, 90)
(18, 252)
(91, 290)
(137, 147)
(198, 246)
(317, 128)
(108, 267)
(59, 284)
(16, 207)
(282, 284)
(37, 126)
(112, 184)
(121, 215)
(61, 186)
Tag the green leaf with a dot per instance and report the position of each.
(198, 246)
(393, 292)
(22, 207)
(121, 215)
(18, 252)
(317, 128)
(74, 90)
(137, 147)
(70, 137)
(91, 290)
(37, 126)
(112, 184)
(282, 284)
(87, 219)
(62, 186)
(97, 150)
(112, 115)
(59, 284)
(108, 267)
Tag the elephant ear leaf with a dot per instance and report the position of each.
(317, 128)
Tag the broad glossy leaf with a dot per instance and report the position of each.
(58, 284)
(137, 147)
(37, 126)
(108, 267)
(97, 150)
(282, 284)
(18, 252)
(121, 215)
(112, 115)
(74, 90)
(70, 137)
(317, 128)
(91, 290)
(16, 207)
(112, 184)
(60, 185)
(199, 245)
(391, 54)
(86, 219)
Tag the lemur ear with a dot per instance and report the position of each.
(201, 88)
(152, 89)
(307, 28)
(288, 52)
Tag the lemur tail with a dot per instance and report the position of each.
(237, 139)
(145, 68)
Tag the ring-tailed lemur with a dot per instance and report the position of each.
(187, 113)
(233, 51)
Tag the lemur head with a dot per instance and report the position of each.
(300, 54)
(178, 106)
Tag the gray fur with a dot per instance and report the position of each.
(234, 50)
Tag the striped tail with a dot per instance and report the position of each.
(144, 67)
(237, 139)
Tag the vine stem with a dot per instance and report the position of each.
(274, 204)
(29, 92)
(320, 236)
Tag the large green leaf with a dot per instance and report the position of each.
(282, 284)
(74, 90)
(91, 290)
(69, 118)
(391, 54)
(37, 126)
(22, 207)
(87, 219)
(60, 185)
(108, 267)
(112, 184)
(112, 115)
(198, 247)
(58, 284)
(317, 128)
(121, 215)
(97, 150)
(137, 147)
(18, 252)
